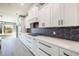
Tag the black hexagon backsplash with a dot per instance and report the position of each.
(68, 33)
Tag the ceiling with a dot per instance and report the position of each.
(14, 9)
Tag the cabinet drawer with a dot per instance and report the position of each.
(29, 43)
(41, 52)
(49, 46)
(65, 52)
(49, 52)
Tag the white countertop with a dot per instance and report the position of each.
(67, 44)
(70, 45)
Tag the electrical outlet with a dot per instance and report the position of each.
(54, 33)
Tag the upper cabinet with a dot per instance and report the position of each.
(71, 14)
(32, 16)
(64, 14)
(54, 14)
(33, 12)
(44, 15)
(27, 24)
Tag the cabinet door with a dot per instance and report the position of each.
(65, 52)
(70, 14)
(48, 48)
(62, 14)
(55, 14)
(33, 12)
(27, 24)
(44, 16)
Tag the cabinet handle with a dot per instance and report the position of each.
(66, 54)
(45, 45)
(58, 22)
(28, 46)
(29, 41)
(45, 52)
(61, 22)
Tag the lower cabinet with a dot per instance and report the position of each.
(48, 49)
(65, 52)
(43, 48)
(53, 50)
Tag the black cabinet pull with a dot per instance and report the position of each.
(66, 54)
(61, 22)
(45, 45)
(45, 52)
(58, 22)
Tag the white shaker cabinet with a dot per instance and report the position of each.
(71, 14)
(44, 15)
(65, 52)
(27, 23)
(57, 15)
(64, 14)
(43, 48)
(32, 16)
(48, 48)
(54, 15)
(33, 12)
